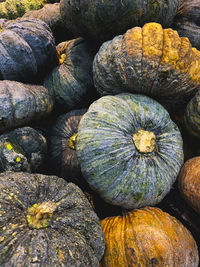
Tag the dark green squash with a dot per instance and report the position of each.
(27, 50)
(129, 150)
(46, 222)
(102, 20)
(149, 60)
(63, 146)
(71, 82)
(21, 103)
(23, 149)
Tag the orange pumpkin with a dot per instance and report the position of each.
(147, 237)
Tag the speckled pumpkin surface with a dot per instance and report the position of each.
(148, 237)
(63, 146)
(149, 60)
(46, 222)
(20, 103)
(23, 149)
(27, 50)
(72, 81)
(129, 150)
(189, 182)
(102, 20)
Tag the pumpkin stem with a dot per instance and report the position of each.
(39, 215)
(144, 141)
(72, 141)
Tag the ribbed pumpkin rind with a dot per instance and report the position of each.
(109, 160)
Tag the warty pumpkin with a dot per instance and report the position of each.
(21, 103)
(129, 150)
(147, 237)
(48, 222)
(23, 149)
(101, 20)
(149, 60)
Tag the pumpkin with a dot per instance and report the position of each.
(129, 150)
(71, 82)
(149, 60)
(21, 103)
(23, 149)
(148, 237)
(27, 50)
(187, 23)
(47, 221)
(189, 182)
(63, 146)
(102, 20)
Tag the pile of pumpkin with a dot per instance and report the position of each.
(99, 133)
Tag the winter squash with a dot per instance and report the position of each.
(149, 60)
(27, 50)
(63, 146)
(129, 150)
(23, 149)
(102, 20)
(148, 237)
(71, 82)
(189, 182)
(47, 221)
(21, 103)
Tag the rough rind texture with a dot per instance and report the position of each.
(21, 103)
(101, 20)
(72, 81)
(74, 238)
(148, 237)
(63, 157)
(23, 149)
(189, 182)
(27, 50)
(109, 159)
(149, 60)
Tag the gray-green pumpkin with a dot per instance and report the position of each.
(129, 150)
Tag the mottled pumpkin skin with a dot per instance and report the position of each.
(72, 81)
(148, 237)
(109, 159)
(23, 149)
(102, 20)
(73, 236)
(27, 50)
(63, 156)
(189, 182)
(149, 60)
(21, 103)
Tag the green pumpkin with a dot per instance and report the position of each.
(46, 222)
(21, 103)
(129, 150)
(23, 149)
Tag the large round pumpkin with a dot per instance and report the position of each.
(129, 150)
(102, 20)
(46, 222)
(148, 237)
(149, 60)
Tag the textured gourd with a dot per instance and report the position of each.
(21, 103)
(102, 20)
(187, 21)
(23, 149)
(72, 81)
(149, 60)
(46, 221)
(129, 150)
(189, 182)
(27, 50)
(148, 237)
(63, 146)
